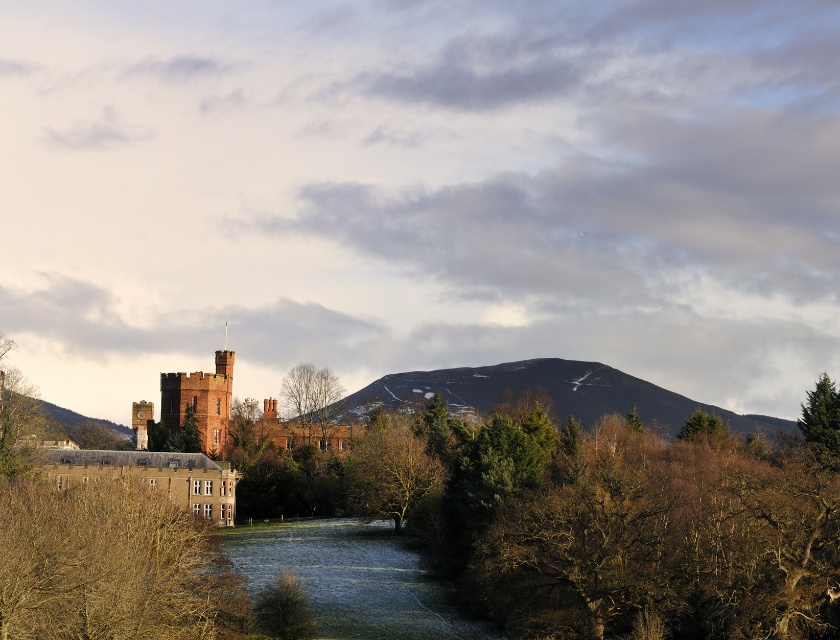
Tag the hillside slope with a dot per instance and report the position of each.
(70, 418)
(586, 390)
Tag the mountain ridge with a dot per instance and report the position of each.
(586, 390)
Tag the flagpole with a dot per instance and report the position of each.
(225, 335)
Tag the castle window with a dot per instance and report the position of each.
(224, 487)
(218, 407)
(197, 509)
(195, 402)
(196, 487)
(217, 435)
(171, 405)
(208, 487)
(224, 511)
(153, 482)
(84, 480)
(208, 510)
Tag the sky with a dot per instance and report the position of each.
(398, 185)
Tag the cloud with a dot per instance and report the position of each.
(9, 68)
(746, 203)
(178, 68)
(106, 132)
(229, 103)
(82, 317)
(736, 364)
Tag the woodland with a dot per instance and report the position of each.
(552, 530)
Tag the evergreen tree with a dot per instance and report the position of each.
(436, 424)
(571, 438)
(634, 423)
(700, 424)
(189, 432)
(820, 421)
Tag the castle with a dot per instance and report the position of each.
(210, 396)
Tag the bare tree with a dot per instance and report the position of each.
(98, 435)
(328, 395)
(298, 395)
(391, 471)
(21, 415)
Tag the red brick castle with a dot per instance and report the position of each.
(209, 394)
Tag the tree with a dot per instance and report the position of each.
(634, 422)
(700, 424)
(112, 559)
(97, 435)
(437, 425)
(390, 471)
(298, 393)
(588, 547)
(328, 393)
(21, 416)
(820, 422)
(281, 611)
(187, 438)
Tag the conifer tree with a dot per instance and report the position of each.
(701, 423)
(820, 421)
(634, 423)
(436, 424)
(189, 432)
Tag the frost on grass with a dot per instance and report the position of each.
(359, 585)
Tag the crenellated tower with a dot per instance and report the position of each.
(210, 396)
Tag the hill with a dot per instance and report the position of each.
(585, 390)
(70, 418)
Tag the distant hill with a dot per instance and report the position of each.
(586, 390)
(70, 418)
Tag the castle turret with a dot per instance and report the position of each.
(142, 418)
(224, 363)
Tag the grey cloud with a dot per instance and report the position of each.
(106, 132)
(388, 135)
(223, 104)
(178, 68)
(10, 68)
(763, 366)
(746, 202)
(498, 54)
(81, 316)
(452, 84)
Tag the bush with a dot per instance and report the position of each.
(281, 610)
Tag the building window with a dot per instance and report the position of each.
(84, 480)
(217, 436)
(195, 403)
(208, 510)
(153, 482)
(218, 406)
(224, 511)
(197, 509)
(171, 405)
(208, 487)
(224, 487)
(196, 487)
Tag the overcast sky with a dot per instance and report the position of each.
(394, 185)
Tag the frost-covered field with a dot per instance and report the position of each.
(362, 584)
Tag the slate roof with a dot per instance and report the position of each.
(161, 460)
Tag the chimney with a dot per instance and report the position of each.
(270, 410)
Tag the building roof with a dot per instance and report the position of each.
(161, 460)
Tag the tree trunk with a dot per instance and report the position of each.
(4, 629)
(398, 525)
(597, 630)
